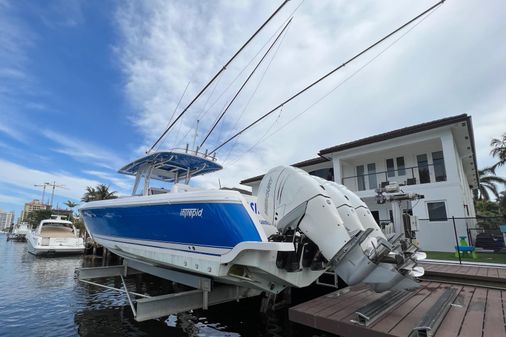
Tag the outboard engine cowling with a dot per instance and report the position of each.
(331, 227)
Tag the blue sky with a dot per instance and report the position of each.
(86, 86)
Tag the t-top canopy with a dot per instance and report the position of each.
(172, 165)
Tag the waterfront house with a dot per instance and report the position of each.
(436, 159)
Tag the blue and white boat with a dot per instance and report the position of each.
(296, 234)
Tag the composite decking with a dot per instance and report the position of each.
(478, 311)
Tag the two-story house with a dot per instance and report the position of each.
(436, 159)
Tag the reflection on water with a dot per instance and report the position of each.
(42, 297)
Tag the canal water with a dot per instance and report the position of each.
(42, 297)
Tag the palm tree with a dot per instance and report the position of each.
(499, 150)
(487, 183)
(100, 192)
(70, 204)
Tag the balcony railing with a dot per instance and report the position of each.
(422, 174)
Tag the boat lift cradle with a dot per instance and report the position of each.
(145, 307)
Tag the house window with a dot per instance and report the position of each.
(371, 171)
(439, 166)
(401, 168)
(437, 211)
(327, 173)
(423, 168)
(390, 168)
(360, 178)
(376, 216)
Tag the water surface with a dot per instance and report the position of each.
(42, 297)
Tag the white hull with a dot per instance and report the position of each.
(250, 264)
(54, 237)
(56, 250)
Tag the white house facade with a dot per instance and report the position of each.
(435, 159)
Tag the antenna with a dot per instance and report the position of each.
(195, 136)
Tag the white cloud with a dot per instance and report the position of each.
(124, 184)
(84, 151)
(11, 200)
(450, 64)
(25, 177)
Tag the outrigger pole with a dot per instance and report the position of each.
(218, 74)
(245, 82)
(327, 75)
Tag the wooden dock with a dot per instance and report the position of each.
(477, 311)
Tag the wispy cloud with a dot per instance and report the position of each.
(124, 184)
(424, 76)
(11, 200)
(25, 177)
(84, 151)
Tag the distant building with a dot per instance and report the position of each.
(436, 159)
(34, 205)
(6, 219)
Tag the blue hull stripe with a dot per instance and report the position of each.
(219, 225)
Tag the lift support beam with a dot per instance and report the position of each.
(148, 307)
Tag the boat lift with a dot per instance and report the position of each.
(145, 307)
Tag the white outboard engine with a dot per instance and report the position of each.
(331, 227)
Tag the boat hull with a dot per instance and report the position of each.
(53, 251)
(76, 247)
(216, 234)
(207, 227)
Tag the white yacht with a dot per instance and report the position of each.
(55, 236)
(19, 232)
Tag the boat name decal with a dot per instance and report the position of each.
(191, 212)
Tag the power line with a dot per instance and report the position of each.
(327, 75)
(218, 74)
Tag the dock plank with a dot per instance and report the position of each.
(405, 327)
(494, 320)
(502, 273)
(492, 272)
(473, 321)
(482, 271)
(396, 315)
(344, 303)
(452, 323)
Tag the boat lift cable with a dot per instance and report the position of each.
(266, 136)
(245, 82)
(218, 73)
(175, 109)
(322, 78)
